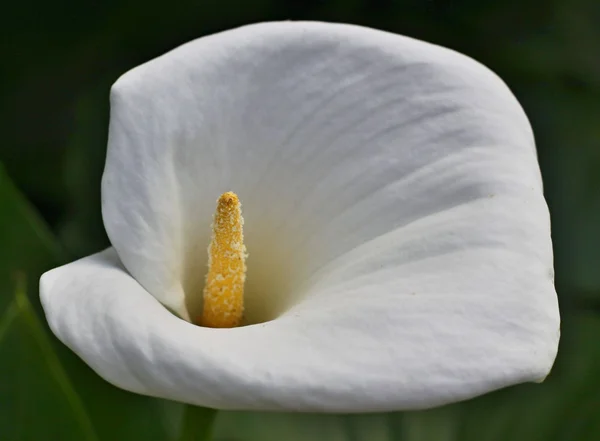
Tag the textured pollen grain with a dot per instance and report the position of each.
(224, 289)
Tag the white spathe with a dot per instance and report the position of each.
(399, 240)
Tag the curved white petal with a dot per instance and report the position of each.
(414, 351)
(394, 217)
(331, 135)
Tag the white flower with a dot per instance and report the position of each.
(399, 240)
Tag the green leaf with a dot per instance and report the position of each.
(197, 424)
(28, 246)
(36, 398)
(38, 374)
(37, 382)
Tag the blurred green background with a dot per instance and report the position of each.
(58, 62)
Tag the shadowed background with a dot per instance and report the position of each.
(58, 62)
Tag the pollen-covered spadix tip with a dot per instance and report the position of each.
(224, 289)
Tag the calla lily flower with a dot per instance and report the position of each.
(398, 238)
